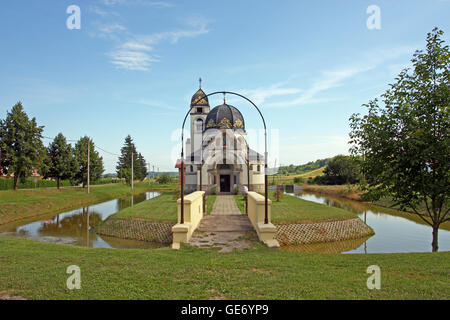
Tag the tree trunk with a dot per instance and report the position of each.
(16, 180)
(434, 244)
(58, 182)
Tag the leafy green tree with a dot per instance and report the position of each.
(96, 162)
(342, 169)
(62, 161)
(164, 179)
(21, 144)
(124, 163)
(405, 144)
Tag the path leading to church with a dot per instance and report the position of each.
(226, 227)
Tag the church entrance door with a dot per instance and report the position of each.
(225, 183)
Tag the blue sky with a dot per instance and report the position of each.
(134, 65)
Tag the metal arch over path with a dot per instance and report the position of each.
(193, 104)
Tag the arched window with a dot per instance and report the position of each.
(199, 125)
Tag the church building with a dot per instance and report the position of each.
(218, 157)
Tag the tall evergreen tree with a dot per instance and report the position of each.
(62, 164)
(142, 167)
(124, 163)
(21, 146)
(96, 162)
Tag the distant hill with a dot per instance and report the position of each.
(304, 168)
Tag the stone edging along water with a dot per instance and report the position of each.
(287, 234)
(160, 232)
(322, 231)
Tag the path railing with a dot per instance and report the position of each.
(256, 213)
(193, 213)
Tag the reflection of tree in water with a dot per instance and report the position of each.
(128, 202)
(74, 225)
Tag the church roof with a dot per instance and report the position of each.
(225, 116)
(199, 99)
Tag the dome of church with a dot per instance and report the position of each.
(199, 99)
(225, 117)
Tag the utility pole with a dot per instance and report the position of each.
(88, 164)
(153, 172)
(148, 174)
(132, 170)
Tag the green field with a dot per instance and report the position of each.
(37, 270)
(239, 198)
(23, 204)
(291, 209)
(160, 209)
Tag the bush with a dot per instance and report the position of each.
(298, 180)
(164, 179)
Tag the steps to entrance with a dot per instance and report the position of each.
(225, 223)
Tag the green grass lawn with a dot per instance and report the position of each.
(210, 199)
(239, 198)
(36, 270)
(291, 209)
(160, 209)
(23, 204)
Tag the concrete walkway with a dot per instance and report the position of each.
(226, 227)
(225, 205)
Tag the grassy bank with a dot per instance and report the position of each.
(37, 270)
(239, 198)
(160, 209)
(346, 191)
(23, 204)
(210, 199)
(294, 210)
(289, 179)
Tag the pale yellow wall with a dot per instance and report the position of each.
(256, 213)
(193, 213)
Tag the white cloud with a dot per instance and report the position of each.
(328, 79)
(154, 104)
(111, 28)
(131, 60)
(133, 54)
(260, 95)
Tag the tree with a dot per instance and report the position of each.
(342, 169)
(142, 172)
(124, 163)
(406, 143)
(21, 146)
(164, 179)
(62, 161)
(96, 162)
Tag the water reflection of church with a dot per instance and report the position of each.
(217, 151)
